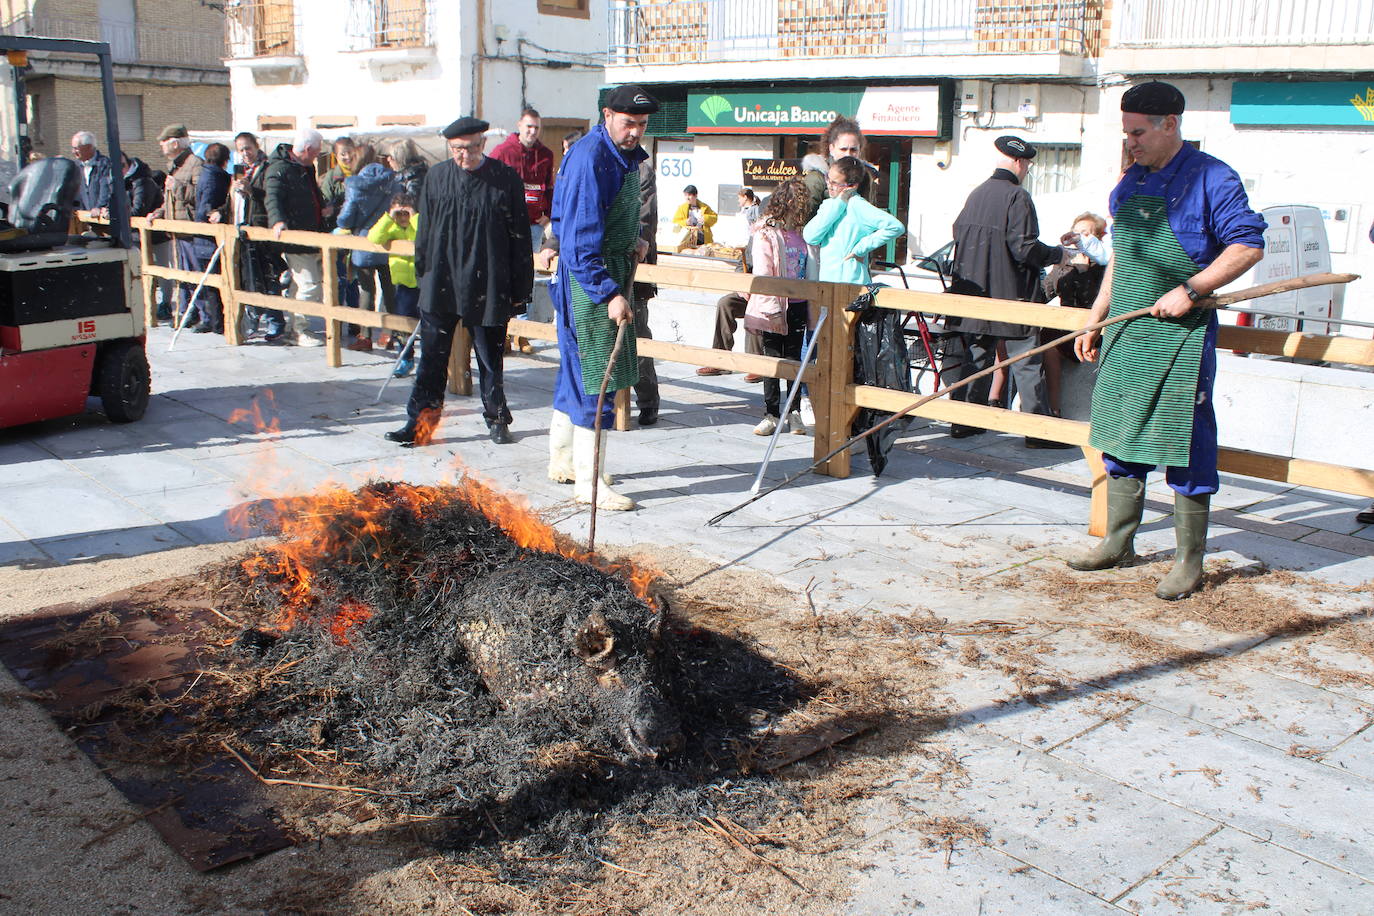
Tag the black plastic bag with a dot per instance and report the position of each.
(880, 359)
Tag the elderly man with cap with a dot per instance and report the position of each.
(1184, 228)
(179, 197)
(998, 253)
(472, 260)
(596, 221)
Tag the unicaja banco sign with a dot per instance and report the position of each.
(903, 111)
(1309, 104)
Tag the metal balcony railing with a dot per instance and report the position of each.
(261, 28)
(374, 24)
(1230, 23)
(690, 31)
(139, 43)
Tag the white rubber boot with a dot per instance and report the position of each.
(584, 444)
(561, 449)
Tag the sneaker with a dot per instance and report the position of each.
(403, 368)
(795, 424)
(309, 339)
(766, 427)
(712, 370)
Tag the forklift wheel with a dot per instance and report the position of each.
(123, 381)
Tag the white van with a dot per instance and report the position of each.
(1295, 244)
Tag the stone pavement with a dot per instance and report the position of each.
(1240, 781)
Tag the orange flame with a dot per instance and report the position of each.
(338, 522)
(425, 425)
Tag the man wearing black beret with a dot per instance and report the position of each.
(472, 258)
(1183, 228)
(596, 221)
(998, 253)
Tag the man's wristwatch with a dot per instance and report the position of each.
(1193, 295)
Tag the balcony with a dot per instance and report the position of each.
(375, 25)
(1162, 36)
(265, 29)
(130, 44)
(646, 33)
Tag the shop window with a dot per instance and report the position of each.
(1056, 168)
(129, 114)
(327, 122)
(276, 122)
(580, 9)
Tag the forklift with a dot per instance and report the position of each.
(71, 307)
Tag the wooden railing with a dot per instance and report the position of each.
(834, 396)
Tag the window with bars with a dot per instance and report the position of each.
(376, 24)
(260, 28)
(1056, 168)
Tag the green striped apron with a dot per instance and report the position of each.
(1142, 408)
(596, 332)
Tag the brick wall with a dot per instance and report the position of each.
(66, 106)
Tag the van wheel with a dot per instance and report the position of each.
(124, 381)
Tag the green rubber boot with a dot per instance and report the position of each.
(1125, 505)
(1190, 531)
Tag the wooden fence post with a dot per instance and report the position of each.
(1097, 471)
(329, 279)
(829, 392)
(145, 258)
(229, 255)
(460, 362)
(622, 409)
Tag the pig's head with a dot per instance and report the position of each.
(628, 694)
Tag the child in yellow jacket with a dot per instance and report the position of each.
(400, 222)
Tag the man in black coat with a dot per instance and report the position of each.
(472, 260)
(293, 201)
(998, 253)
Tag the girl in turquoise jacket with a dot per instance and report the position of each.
(847, 227)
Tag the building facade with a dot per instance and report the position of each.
(368, 67)
(750, 83)
(168, 68)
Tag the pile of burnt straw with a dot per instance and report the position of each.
(527, 690)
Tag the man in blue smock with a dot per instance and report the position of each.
(1183, 229)
(596, 221)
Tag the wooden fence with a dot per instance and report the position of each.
(834, 396)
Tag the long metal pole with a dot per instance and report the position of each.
(792, 394)
(1211, 302)
(191, 305)
(596, 431)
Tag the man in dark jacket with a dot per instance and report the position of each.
(212, 206)
(472, 259)
(96, 172)
(533, 162)
(293, 201)
(998, 253)
(260, 264)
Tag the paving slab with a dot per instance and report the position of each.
(1231, 873)
(906, 878)
(69, 507)
(1300, 804)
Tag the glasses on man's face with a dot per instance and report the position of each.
(473, 147)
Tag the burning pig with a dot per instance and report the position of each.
(551, 634)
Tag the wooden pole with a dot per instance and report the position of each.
(460, 362)
(596, 431)
(229, 284)
(145, 259)
(333, 328)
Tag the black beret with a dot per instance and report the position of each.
(464, 126)
(1153, 98)
(1014, 147)
(631, 99)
